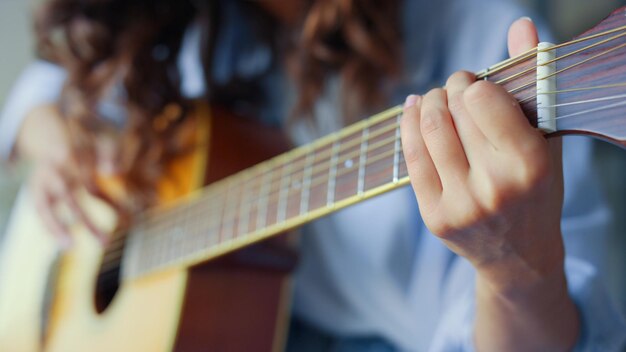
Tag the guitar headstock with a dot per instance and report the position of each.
(590, 95)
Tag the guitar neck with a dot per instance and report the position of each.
(344, 168)
(365, 159)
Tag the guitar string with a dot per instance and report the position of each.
(579, 102)
(574, 90)
(531, 53)
(533, 82)
(513, 61)
(581, 113)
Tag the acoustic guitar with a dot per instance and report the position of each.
(188, 275)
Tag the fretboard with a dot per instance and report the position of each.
(351, 165)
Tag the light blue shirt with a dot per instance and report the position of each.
(374, 268)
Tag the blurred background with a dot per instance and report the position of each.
(567, 18)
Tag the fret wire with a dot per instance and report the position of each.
(214, 220)
(175, 235)
(263, 201)
(282, 193)
(396, 154)
(306, 182)
(244, 211)
(196, 225)
(362, 159)
(225, 213)
(160, 248)
(332, 171)
(191, 224)
(135, 253)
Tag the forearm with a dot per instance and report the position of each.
(39, 84)
(537, 316)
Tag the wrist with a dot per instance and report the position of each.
(526, 265)
(537, 316)
(43, 124)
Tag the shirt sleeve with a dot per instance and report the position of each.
(40, 83)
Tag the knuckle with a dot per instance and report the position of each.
(534, 171)
(455, 104)
(439, 227)
(411, 154)
(433, 111)
(461, 77)
(493, 197)
(494, 202)
(431, 121)
(478, 93)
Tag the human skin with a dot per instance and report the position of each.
(490, 186)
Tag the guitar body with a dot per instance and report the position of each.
(234, 303)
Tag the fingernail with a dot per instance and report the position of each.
(410, 101)
(526, 18)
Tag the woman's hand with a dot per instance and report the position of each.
(490, 186)
(44, 140)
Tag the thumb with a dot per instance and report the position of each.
(522, 36)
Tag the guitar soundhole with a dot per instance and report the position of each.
(108, 281)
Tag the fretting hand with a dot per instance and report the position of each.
(491, 187)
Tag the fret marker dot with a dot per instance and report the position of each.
(348, 163)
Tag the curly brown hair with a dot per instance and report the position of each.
(105, 44)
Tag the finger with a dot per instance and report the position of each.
(45, 204)
(422, 172)
(63, 186)
(470, 135)
(78, 211)
(522, 36)
(441, 139)
(498, 115)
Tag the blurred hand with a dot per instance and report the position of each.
(44, 139)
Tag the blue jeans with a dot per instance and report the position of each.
(304, 337)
